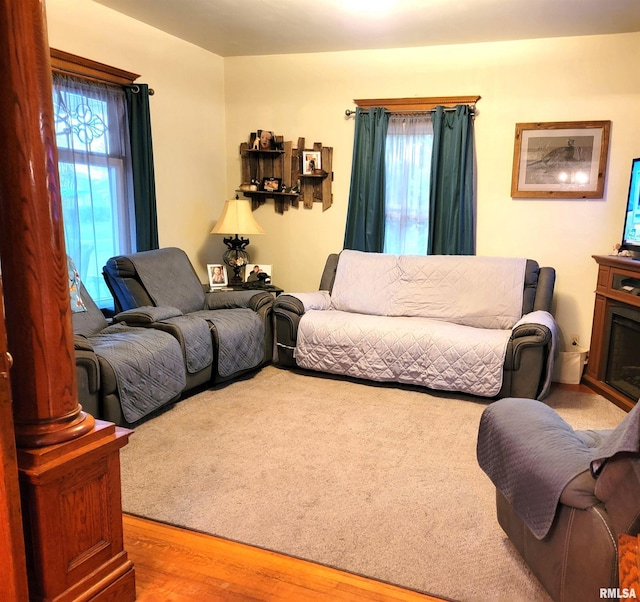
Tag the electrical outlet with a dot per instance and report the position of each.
(575, 339)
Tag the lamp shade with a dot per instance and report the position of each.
(237, 218)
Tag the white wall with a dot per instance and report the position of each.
(567, 79)
(205, 106)
(187, 114)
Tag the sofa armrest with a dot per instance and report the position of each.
(234, 299)
(82, 343)
(261, 300)
(87, 375)
(524, 337)
(143, 316)
(618, 486)
(319, 300)
(289, 304)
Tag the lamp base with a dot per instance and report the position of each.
(236, 258)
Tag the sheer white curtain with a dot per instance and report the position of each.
(408, 172)
(94, 163)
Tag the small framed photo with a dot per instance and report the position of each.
(311, 160)
(217, 275)
(258, 272)
(563, 160)
(271, 184)
(263, 140)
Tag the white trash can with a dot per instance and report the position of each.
(569, 365)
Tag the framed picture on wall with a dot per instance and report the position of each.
(562, 160)
(217, 275)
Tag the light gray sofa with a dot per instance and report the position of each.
(478, 325)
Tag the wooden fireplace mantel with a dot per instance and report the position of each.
(609, 293)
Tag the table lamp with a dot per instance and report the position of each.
(237, 219)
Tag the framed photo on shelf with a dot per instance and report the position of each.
(562, 160)
(271, 184)
(258, 272)
(217, 275)
(263, 140)
(311, 160)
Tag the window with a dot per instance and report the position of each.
(95, 176)
(412, 182)
(407, 177)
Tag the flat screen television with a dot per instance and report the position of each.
(631, 232)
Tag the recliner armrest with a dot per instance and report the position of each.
(252, 299)
(82, 343)
(289, 303)
(145, 315)
(87, 362)
(618, 486)
(301, 302)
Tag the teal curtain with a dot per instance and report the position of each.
(144, 187)
(452, 203)
(365, 214)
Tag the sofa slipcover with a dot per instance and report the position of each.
(124, 374)
(239, 321)
(472, 324)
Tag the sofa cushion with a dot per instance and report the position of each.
(432, 353)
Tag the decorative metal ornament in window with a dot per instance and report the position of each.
(82, 121)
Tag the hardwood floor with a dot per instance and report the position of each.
(175, 565)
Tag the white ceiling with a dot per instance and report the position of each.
(256, 27)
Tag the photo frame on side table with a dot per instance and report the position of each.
(560, 160)
(217, 275)
(259, 273)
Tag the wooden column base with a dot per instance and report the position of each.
(72, 511)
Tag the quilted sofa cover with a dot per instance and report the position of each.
(444, 322)
(238, 322)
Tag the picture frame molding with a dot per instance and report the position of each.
(560, 130)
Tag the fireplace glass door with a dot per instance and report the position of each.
(623, 362)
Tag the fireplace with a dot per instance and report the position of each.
(613, 369)
(623, 357)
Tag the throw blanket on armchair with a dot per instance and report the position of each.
(386, 310)
(530, 454)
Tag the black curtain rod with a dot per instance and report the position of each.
(349, 112)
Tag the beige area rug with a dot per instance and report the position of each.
(376, 480)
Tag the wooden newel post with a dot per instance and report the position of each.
(32, 248)
(68, 463)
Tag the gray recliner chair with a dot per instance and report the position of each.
(124, 374)
(239, 321)
(562, 496)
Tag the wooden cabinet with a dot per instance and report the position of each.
(617, 289)
(283, 167)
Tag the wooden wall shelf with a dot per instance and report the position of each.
(286, 165)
